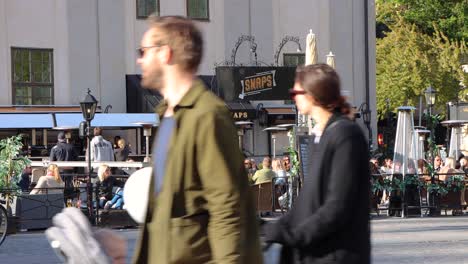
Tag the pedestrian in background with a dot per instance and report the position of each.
(101, 149)
(122, 151)
(329, 222)
(65, 151)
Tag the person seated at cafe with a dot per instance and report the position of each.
(287, 164)
(278, 168)
(448, 168)
(464, 164)
(253, 163)
(437, 163)
(50, 183)
(107, 199)
(248, 169)
(116, 142)
(266, 174)
(25, 179)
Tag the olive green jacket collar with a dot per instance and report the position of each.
(188, 101)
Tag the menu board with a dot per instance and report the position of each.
(304, 148)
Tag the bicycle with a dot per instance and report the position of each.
(3, 222)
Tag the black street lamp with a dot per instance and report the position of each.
(366, 117)
(88, 108)
(430, 94)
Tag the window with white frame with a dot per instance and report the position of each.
(32, 76)
(198, 9)
(146, 8)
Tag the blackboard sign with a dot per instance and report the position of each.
(303, 144)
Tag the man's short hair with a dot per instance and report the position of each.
(97, 131)
(182, 37)
(61, 136)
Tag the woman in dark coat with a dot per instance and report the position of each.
(329, 222)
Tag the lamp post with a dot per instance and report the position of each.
(430, 94)
(88, 108)
(366, 117)
(388, 126)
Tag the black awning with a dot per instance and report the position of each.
(281, 114)
(241, 111)
(280, 110)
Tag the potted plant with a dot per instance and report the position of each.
(11, 166)
(454, 185)
(286, 199)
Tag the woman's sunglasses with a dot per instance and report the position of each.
(293, 92)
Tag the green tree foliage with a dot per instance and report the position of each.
(408, 61)
(429, 16)
(11, 163)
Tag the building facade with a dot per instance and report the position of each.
(52, 51)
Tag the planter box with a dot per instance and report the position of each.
(36, 211)
(12, 225)
(452, 200)
(115, 218)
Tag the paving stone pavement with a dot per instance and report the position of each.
(420, 240)
(394, 240)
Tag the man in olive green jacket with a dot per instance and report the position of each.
(200, 209)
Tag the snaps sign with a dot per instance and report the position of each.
(254, 83)
(257, 83)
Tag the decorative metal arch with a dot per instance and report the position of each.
(106, 110)
(240, 40)
(285, 40)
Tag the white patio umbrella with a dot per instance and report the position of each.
(331, 60)
(311, 49)
(310, 58)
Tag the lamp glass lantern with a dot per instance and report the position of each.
(88, 106)
(430, 95)
(366, 116)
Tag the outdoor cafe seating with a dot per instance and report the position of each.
(35, 211)
(419, 194)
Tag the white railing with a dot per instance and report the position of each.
(84, 164)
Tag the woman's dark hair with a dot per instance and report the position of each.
(323, 83)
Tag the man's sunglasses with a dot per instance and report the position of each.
(141, 50)
(293, 92)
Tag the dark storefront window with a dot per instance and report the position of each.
(198, 9)
(293, 59)
(146, 8)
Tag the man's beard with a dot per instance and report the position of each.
(154, 80)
